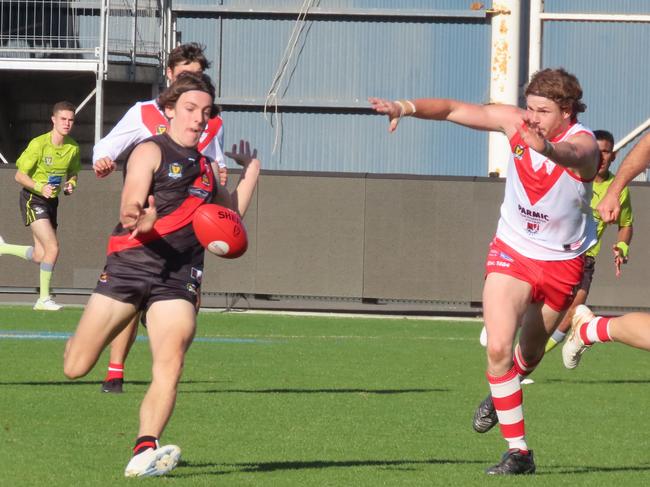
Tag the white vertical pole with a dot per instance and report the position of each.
(504, 79)
(101, 69)
(535, 39)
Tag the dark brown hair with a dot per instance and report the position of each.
(185, 82)
(191, 52)
(560, 86)
(63, 105)
(604, 135)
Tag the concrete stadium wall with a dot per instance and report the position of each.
(331, 235)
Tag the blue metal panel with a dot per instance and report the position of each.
(330, 4)
(358, 143)
(598, 6)
(339, 64)
(605, 58)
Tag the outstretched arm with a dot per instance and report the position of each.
(501, 118)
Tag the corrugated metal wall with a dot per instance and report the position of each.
(324, 123)
(610, 60)
(343, 59)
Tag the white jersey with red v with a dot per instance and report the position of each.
(145, 119)
(546, 212)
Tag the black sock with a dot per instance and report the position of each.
(144, 443)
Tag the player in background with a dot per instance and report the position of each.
(143, 120)
(154, 262)
(49, 165)
(536, 258)
(625, 229)
(632, 329)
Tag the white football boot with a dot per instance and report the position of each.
(47, 304)
(574, 347)
(153, 463)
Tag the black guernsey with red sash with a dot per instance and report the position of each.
(183, 182)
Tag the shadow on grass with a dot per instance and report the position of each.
(94, 382)
(314, 391)
(261, 467)
(598, 381)
(574, 469)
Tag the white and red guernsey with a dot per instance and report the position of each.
(546, 212)
(145, 119)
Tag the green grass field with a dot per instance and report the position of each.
(317, 401)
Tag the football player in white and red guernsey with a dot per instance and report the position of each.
(546, 225)
(143, 120)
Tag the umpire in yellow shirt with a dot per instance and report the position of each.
(49, 165)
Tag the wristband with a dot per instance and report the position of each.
(38, 187)
(624, 248)
(72, 182)
(401, 108)
(403, 111)
(412, 105)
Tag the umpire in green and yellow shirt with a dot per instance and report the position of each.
(49, 165)
(620, 250)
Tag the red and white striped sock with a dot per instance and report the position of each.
(597, 330)
(523, 369)
(115, 371)
(508, 398)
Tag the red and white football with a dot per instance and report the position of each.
(220, 230)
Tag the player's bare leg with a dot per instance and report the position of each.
(538, 324)
(102, 319)
(171, 325)
(632, 329)
(505, 303)
(565, 325)
(119, 350)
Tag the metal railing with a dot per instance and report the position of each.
(122, 31)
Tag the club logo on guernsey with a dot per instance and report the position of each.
(161, 129)
(519, 151)
(47, 160)
(205, 180)
(175, 170)
(103, 278)
(532, 227)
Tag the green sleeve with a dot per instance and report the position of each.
(625, 218)
(75, 163)
(30, 157)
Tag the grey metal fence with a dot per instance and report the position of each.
(107, 30)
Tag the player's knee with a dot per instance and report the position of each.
(499, 353)
(72, 367)
(72, 370)
(52, 250)
(169, 370)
